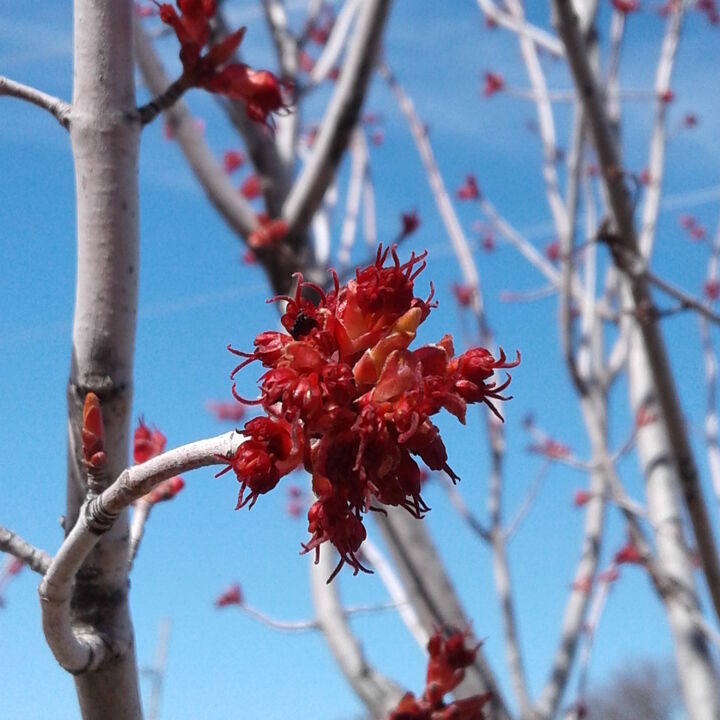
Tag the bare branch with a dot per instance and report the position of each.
(527, 501)
(35, 558)
(457, 501)
(656, 161)
(76, 650)
(335, 43)
(147, 113)
(371, 553)
(444, 205)
(656, 354)
(340, 119)
(58, 108)
(377, 692)
(540, 37)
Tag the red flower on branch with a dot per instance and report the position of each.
(410, 223)
(225, 410)
(552, 251)
(268, 232)
(232, 596)
(464, 294)
(711, 289)
(212, 70)
(582, 497)
(147, 443)
(667, 96)
(166, 490)
(469, 190)
(494, 83)
(625, 6)
(628, 554)
(251, 187)
(232, 160)
(449, 657)
(347, 399)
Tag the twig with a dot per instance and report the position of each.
(335, 43)
(358, 168)
(656, 162)
(540, 37)
(527, 501)
(457, 501)
(340, 118)
(141, 512)
(148, 112)
(35, 558)
(459, 242)
(58, 108)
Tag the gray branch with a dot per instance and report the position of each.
(35, 558)
(58, 108)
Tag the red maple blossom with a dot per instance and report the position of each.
(345, 398)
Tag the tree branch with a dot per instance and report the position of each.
(76, 649)
(340, 119)
(58, 108)
(662, 377)
(35, 558)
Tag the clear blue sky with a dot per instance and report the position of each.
(196, 297)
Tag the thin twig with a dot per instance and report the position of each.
(35, 558)
(58, 108)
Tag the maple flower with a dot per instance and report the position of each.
(147, 443)
(550, 448)
(469, 190)
(582, 497)
(711, 289)
(249, 257)
(690, 120)
(166, 490)
(410, 223)
(464, 294)
(251, 187)
(346, 398)
(552, 251)
(377, 137)
(494, 83)
(212, 70)
(667, 96)
(14, 566)
(232, 160)
(268, 232)
(628, 554)
(449, 656)
(225, 410)
(625, 6)
(232, 596)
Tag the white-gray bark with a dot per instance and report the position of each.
(105, 144)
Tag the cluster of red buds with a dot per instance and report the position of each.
(345, 398)
(449, 656)
(212, 70)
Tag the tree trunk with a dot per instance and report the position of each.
(105, 146)
(694, 663)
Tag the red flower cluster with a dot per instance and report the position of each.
(259, 89)
(625, 6)
(449, 656)
(346, 398)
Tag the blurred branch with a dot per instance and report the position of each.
(340, 118)
(35, 558)
(540, 37)
(567, 23)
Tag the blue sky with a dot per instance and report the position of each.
(196, 297)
